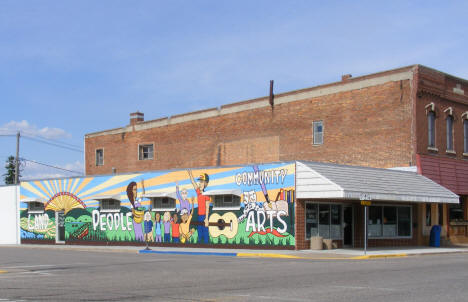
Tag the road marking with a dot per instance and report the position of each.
(274, 298)
(362, 287)
(27, 266)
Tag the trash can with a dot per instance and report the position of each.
(434, 238)
(316, 243)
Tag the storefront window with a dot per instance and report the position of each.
(440, 212)
(404, 221)
(428, 214)
(375, 221)
(335, 226)
(311, 220)
(456, 211)
(389, 221)
(323, 220)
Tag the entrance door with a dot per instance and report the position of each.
(60, 227)
(348, 226)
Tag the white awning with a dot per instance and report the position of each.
(325, 181)
(160, 194)
(223, 192)
(105, 197)
(34, 199)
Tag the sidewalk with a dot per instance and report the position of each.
(335, 254)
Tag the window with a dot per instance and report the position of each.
(389, 221)
(99, 157)
(431, 129)
(228, 201)
(163, 203)
(35, 207)
(456, 211)
(428, 214)
(441, 213)
(318, 132)
(465, 135)
(323, 220)
(145, 152)
(449, 123)
(375, 222)
(110, 205)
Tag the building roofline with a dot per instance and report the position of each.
(353, 83)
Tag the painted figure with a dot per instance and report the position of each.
(158, 227)
(184, 227)
(148, 224)
(175, 229)
(137, 209)
(182, 197)
(167, 226)
(203, 205)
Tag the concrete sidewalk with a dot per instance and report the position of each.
(335, 254)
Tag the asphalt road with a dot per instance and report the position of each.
(29, 274)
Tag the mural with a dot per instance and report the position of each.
(243, 205)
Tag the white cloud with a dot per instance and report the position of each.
(32, 130)
(32, 170)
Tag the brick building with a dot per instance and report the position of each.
(413, 117)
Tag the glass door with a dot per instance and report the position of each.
(348, 226)
(60, 227)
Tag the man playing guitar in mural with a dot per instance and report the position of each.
(203, 205)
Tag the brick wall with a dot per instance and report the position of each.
(438, 88)
(370, 126)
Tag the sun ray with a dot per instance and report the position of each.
(69, 184)
(110, 182)
(75, 183)
(64, 201)
(85, 181)
(32, 189)
(49, 187)
(44, 190)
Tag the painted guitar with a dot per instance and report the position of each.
(221, 225)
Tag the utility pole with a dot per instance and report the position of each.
(17, 158)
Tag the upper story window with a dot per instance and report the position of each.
(317, 128)
(163, 203)
(449, 124)
(431, 129)
(465, 134)
(145, 152)
(109, 205)
(99, 157)
(226, 201)
(35, 207)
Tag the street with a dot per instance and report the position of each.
(36, 274)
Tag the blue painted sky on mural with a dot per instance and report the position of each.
(70, 68)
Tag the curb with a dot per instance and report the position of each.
(243, 255)
(187, 253)
(379, 256)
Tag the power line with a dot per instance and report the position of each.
(53, 144)
(47, 165)
(56, 141)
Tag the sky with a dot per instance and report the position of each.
(68, 68)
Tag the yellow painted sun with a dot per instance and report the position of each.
(64, 201)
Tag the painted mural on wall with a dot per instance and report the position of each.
(244, 205)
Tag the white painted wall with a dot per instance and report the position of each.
(9, 215)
